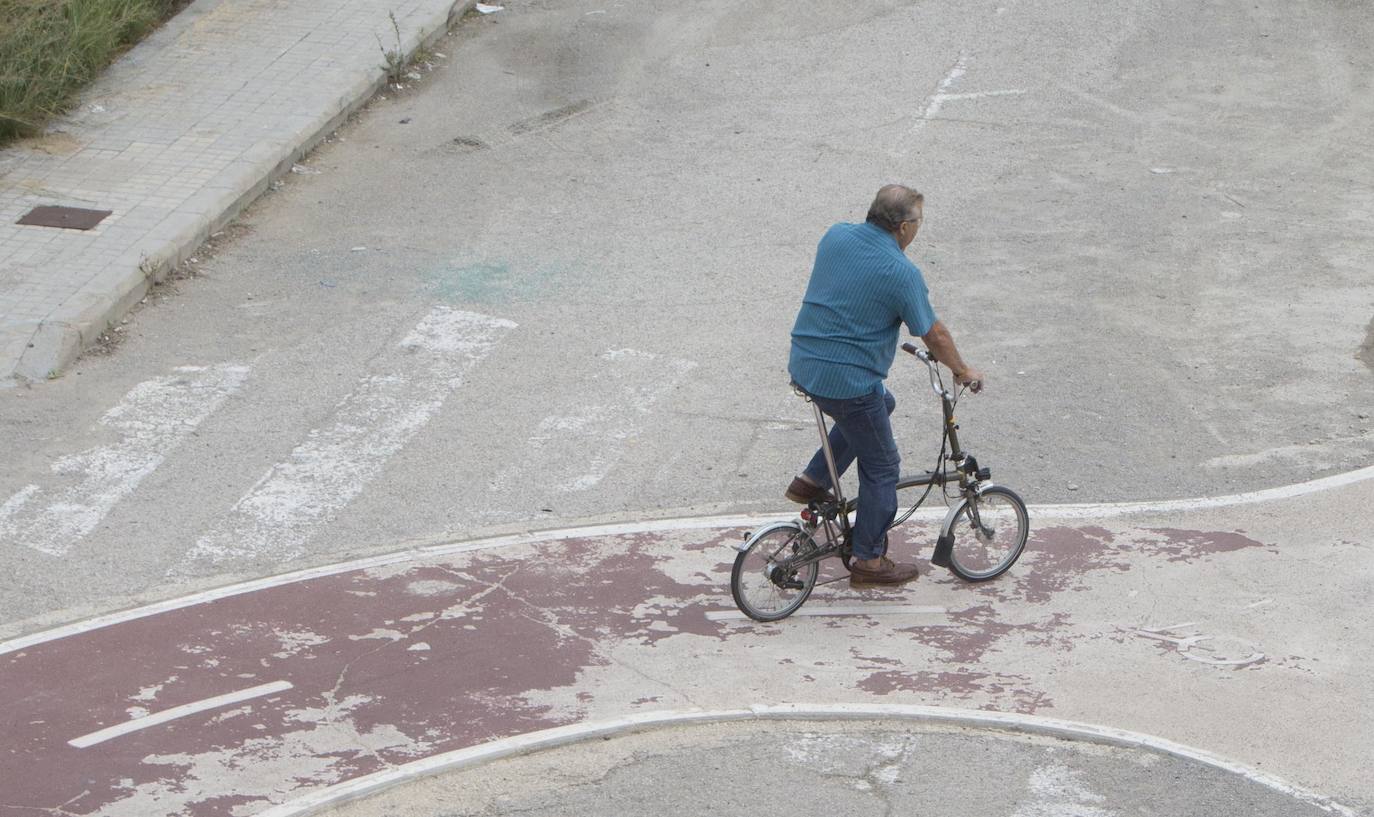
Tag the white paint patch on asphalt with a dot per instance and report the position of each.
(982, 94)
(322, 475)
(271, 767)
(577, 449)
(817, 611)
(175, 712)
(153, 419)
(149, 694)
(1058, 791)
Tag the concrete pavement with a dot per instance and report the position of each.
(174, 140)
(1234, 630)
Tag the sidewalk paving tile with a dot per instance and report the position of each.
(174, 138)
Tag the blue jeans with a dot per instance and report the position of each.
(862, 429)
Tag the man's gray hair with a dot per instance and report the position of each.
(894, 204)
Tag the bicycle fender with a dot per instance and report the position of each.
(763, 531)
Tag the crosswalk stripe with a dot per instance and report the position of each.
(323, 474)
(152, 419)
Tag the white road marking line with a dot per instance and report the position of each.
(319, 799)
(1170, 506)
(448, 547)
(818, 611)
(579, 449)
(322, 475)
(153, 419)
(936, 101)
(175, 712)
(1184, 645)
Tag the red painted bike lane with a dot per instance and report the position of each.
(387, 665)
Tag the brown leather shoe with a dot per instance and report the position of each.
(803, 492)
(888, 573)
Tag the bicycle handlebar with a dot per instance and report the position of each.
(929, 359)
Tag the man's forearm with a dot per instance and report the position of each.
(941, 344)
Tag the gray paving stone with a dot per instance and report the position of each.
(178, 135)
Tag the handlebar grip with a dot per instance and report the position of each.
(909, 348)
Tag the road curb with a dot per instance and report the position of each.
(1008, 722)
(75, 325)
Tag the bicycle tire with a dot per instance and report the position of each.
(751, 585)
(977, 556)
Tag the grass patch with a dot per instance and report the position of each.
(50, 49)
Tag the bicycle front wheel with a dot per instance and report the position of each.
(765, 586)
(989, 532)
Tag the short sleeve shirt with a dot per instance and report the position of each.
(862, 289)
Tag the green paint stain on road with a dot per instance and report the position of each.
(490, 282)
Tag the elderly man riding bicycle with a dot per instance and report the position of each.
(862, 289)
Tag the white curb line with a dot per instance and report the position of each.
(999, 721)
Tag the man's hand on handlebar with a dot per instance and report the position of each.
(972, 378)
(942, 348)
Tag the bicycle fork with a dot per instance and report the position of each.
(944, 544)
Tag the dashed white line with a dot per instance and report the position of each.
(175, 712)
(153, 419)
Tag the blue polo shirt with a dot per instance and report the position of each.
(863, 287)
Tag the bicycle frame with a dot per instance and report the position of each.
(966, 473)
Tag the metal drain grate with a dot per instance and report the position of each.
(69, 218)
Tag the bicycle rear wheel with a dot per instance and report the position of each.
(764, 587)
(989, 532)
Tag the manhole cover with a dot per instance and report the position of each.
(70, 218)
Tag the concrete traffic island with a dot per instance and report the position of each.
(911, 762)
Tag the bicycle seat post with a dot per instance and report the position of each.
(829, 454)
